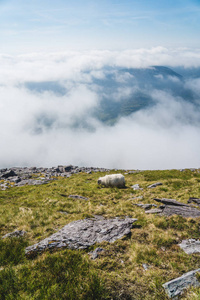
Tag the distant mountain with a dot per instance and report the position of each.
(139, 83)
(123, 91)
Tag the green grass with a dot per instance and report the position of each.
(118, 272)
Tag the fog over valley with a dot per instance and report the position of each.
(133, 109)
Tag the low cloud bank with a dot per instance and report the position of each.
(38, 123)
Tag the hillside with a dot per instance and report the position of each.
(40, 201)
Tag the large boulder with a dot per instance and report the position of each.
(84, 233)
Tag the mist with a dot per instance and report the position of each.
(50, 102)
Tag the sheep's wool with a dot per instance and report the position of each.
(114, 180)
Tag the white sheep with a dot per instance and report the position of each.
(114, 180)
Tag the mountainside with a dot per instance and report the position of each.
(64, 236)
(123, 91)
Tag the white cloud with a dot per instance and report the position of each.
(36, 128)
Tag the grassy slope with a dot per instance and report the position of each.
(118, 272)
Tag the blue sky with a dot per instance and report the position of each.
(49, 25)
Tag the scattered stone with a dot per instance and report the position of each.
(190, 246)
(145, 206)
(146, 266)
(154, 185)
(16, 233)
(138, 197)
(15, 179)
(78, 197)
(32, 182)
(176, 286)
(9, 173)
(195, 200)
(136, 187)
(154, 211)
(94, 254)
(84, 233)
(63, 212)
(170, 202)
(23, 176)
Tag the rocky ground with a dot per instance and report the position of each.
(148, 228)
(35, 176)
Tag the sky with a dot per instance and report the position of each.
(48, 25)
(70, 44)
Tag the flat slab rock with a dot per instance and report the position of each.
(154, 185)
(171, 202)
(184, 211)
(16, 233)
(84, 233)
(176, 286)
(190, 246)
(154, 211)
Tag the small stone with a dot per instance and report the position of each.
(94, 254)
(154, 185)
(190, 246)
(16, 233)
(78, 197)
(136, 187)
(154, 211)
(138, 197)
(145, 206)
(146, 266)
(176, 286)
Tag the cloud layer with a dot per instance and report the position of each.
(45, 96)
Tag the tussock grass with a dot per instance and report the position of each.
(118, 273)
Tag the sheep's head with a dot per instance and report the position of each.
(99, 181)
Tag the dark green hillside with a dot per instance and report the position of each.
(118, 272)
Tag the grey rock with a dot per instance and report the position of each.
(176, 286)
(145, 206)
(84, 233)
(63, 212)
(138, 197)
(184, 211)
(15, 179)
(32, 182)
(195, 200)
(136, 187)
(16, 233)
(154, 185)
(9, 173)
(146, 266)
(170, 202)
(154, 211)
(162, 206)
(78, 197)
(190, 246)
(94, 254)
